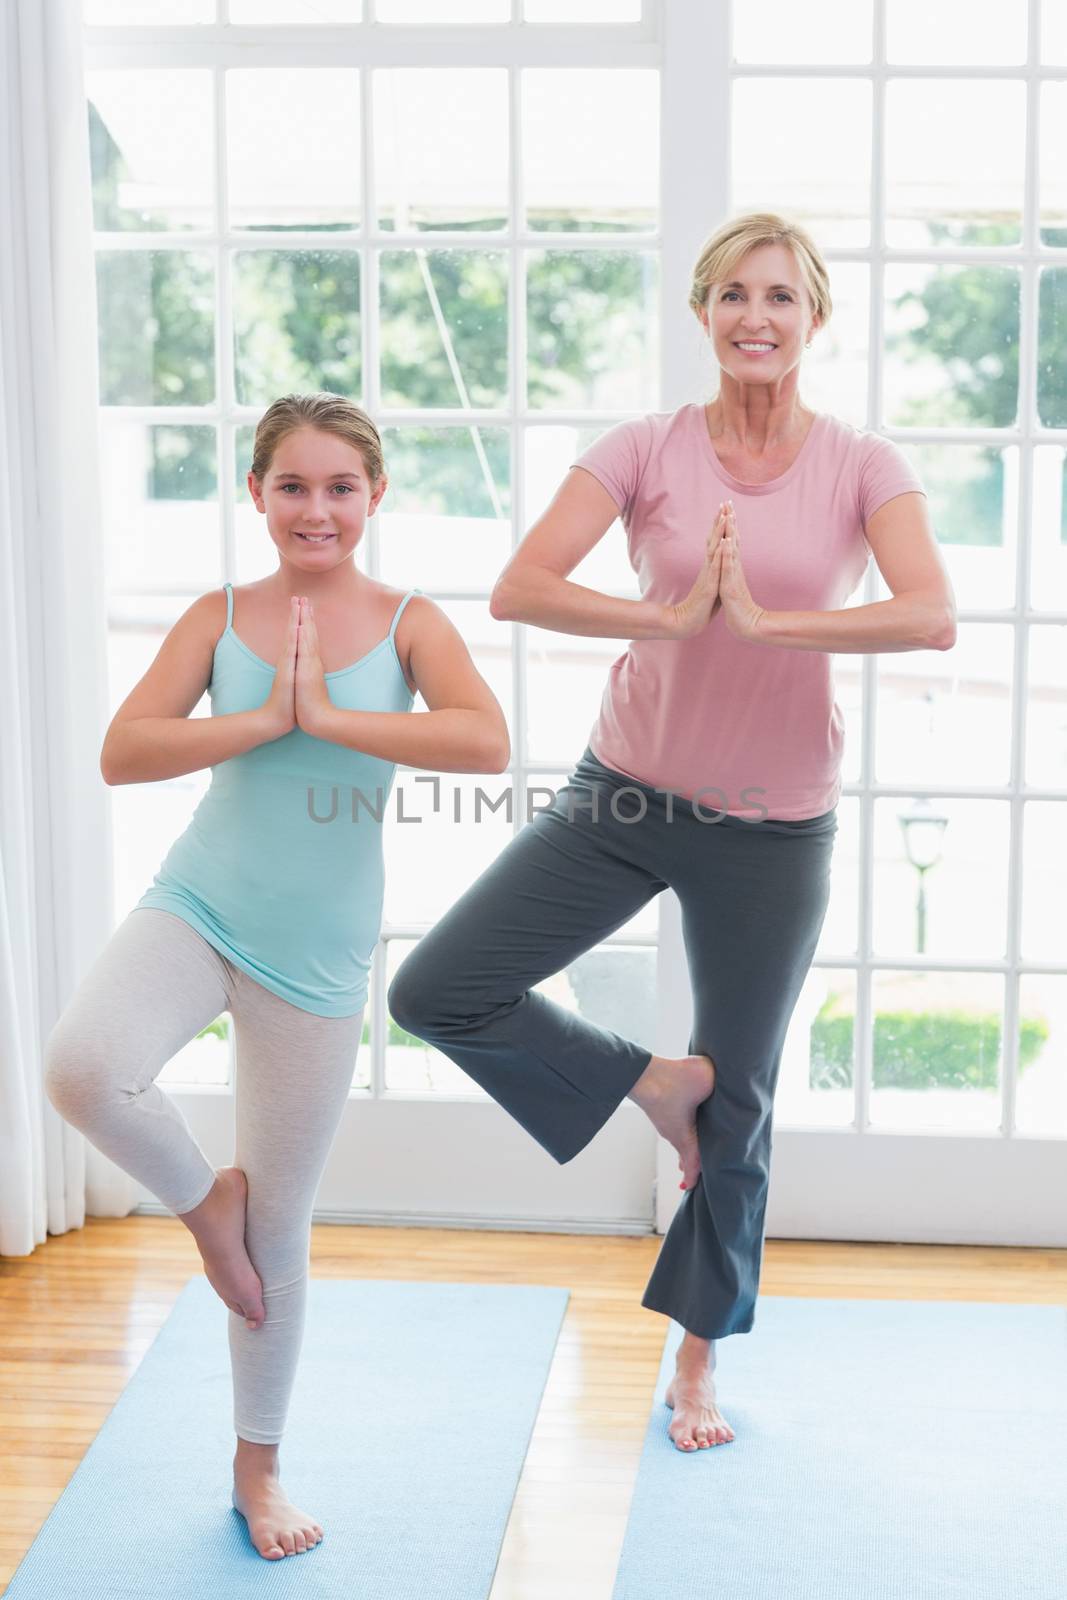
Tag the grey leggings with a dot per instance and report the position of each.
(753, 898)
(154, 986)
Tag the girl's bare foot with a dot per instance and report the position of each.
(218, 1226)
(276, 1527)
(668, 1092)
(697, 1423)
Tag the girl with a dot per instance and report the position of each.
(260, 908)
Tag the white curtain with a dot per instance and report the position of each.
(55, 860)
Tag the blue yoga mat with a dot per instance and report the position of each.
(409, 1423)
(885, 1450)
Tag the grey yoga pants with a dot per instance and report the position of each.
(753, 898)
(154, 986)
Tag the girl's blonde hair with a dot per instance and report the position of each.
(331, 413)
(721, 253)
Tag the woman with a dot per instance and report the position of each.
(260, 908)
(722, 705)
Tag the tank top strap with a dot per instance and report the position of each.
(229, 604)
(398, 613)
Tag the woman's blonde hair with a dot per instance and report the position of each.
(331, 413)
(721, 253)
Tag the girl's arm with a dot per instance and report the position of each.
(152, 735)
(464, 729)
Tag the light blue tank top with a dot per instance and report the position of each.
(281, 865)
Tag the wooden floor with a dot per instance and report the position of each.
(77, 1316)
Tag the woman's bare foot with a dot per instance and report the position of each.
(697, 1423)
(218, 1226)
(668, 1092)
(276, 1527)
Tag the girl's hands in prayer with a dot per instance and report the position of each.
(280, 705)
(311, 695)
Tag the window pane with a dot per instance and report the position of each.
(972, 494)
(952, 346)
(156, 311)
(565, 678)
(430, 11)
(256, 552)
(1044, 879)
(848, 687)
(815, 1080)
(1041, 1091)
(549, 455)
(1052, 348)
(409, 1063)
(779, 31)
(160, 495)
(1048, 541)
(613, 986)
(937, 1050)
(444, 328)
(929, 32)
(834, 375)
(962, 907)
(955, 158)
(489, 643)
(438, 838)
(789, 155)
(1054, 32)
(592, 329)
(441, 147)
(296, 321)
(148, 13)
(302, 11)
(944, 716)
(444, 521)
(840, 927)
(588, 12)
(1051, 166)
(1046, 709)
(598, 166)
(293, 144)
(151, 147)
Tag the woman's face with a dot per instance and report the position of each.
(765, 307)
(317, 497)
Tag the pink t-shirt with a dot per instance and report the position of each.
(741, 726)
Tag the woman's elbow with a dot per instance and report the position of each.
(499, 607)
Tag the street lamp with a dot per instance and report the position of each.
(923, 828)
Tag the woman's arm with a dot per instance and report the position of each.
(464, 729)
(152, 735)
(920, 616)
(533, 587)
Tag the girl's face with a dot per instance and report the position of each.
(317, 497)
(764, 306)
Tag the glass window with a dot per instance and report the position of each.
(941, 878)
(156, 318)
(780, 32)
(955, 158)
(293, 147)
(296, 323)
(444, 521)
(1041, 1090)
(441, 147)
(151, 147)
(933, 32)
(944, 716)
(787, 159)
(592, 329)
(597, 167)
(951, 346)
(937, 1051)
(443, 322)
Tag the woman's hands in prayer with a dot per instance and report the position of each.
(720, 586)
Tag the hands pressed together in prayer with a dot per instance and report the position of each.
(720, 585)
(299, 697)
